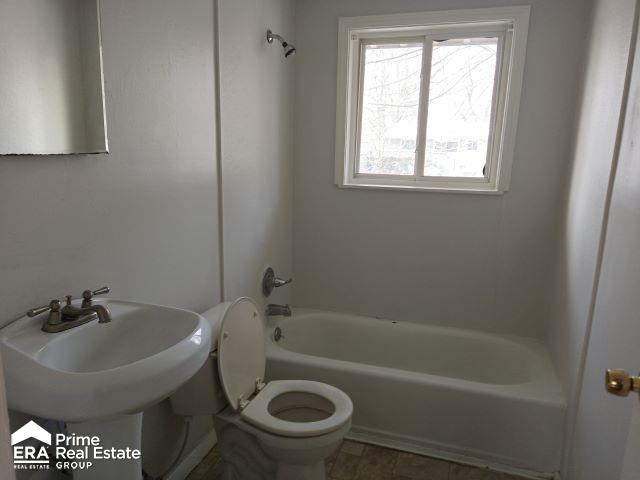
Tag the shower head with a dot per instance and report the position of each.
(289, 49)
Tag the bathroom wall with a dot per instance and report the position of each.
(256, 91)
(142, 219)
(589, 175)
(580, 231)
(460, 260)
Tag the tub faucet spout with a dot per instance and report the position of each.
(274, 310)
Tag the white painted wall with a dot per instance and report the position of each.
(256, 141)
(589, 175)
(143, 219)
(480, 262)
(580, 232)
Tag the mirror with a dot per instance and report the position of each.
(51, 80)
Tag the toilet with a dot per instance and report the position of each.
(282, 429)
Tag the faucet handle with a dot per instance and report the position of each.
(101, 291)
(87, 295)
(270, 281)
(54, 306)
(279, 282)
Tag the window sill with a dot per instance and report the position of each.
(421, 188)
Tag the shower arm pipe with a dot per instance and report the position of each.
(274, 36)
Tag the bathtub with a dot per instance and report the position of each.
(454, 393)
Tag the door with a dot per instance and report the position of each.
(606, 444)
(631, 465)
(6, 456)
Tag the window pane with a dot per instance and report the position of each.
(460, 100)
(390, 98)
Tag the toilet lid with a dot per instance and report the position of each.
(241, 350)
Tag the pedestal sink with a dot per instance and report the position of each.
(98, 377)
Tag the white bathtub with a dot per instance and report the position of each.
(444, 391)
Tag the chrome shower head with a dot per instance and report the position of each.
(289, 49)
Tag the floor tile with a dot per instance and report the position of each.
(377, 462)
(344, 467)
(215, 472)
(379, 476)
(381, 454)
(353, 448)
(465, 472)
(421, 468)
(357, 461)
(210, 468)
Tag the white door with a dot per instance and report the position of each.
(631, 468)
(6, 455)
(606, 444)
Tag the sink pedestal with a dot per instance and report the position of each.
(119, 432)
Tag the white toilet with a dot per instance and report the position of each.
(280, 430)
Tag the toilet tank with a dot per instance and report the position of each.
(203, 394)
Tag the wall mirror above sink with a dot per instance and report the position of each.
(51, 79)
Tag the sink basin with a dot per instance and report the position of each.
(98, 377)
(97, 370)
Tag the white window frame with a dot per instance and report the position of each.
(508, 24)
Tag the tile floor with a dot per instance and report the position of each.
(357, 461)
(210, 468)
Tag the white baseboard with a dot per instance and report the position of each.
(191, 461)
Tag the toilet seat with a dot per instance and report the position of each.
(241, 365)
(257, 411)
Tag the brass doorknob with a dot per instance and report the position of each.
(619, 382)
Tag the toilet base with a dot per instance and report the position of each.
(244, 459)
(251, 454)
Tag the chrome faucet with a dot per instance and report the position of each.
(71, 313)
(60, 319)
(274, 310)
(270, 281)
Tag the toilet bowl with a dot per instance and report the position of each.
(279, 430)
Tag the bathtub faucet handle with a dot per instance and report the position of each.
(270, 281)
(279, 282)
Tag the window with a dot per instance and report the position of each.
(430, 101)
